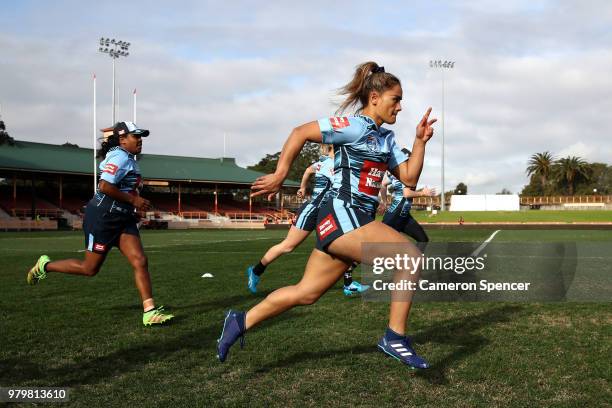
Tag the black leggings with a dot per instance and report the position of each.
(414, 230)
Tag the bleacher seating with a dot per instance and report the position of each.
(22, 207)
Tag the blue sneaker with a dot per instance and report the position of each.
(233, 328)
(253, 279)
(401, 349)
(355, 288)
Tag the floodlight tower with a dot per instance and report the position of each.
(443, 66)
(115, 49)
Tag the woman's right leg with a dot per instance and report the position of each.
(349, 246)
(395, 342)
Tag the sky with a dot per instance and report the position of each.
(529, 76)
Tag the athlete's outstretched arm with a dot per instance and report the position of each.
(307, 173)
(409, 172)
(426, 192)
(271, 183)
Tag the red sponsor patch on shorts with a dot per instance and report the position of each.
(99, 247)
(326, 226)
(339, 123)
(110, 168)
(370, 178)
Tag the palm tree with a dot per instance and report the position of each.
(540, 164)
(570, 168)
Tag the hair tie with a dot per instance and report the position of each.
(378, 69)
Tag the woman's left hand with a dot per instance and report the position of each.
(424, 131)
(268, 184)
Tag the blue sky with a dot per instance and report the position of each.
(530, 75)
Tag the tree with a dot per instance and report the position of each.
(600, 180)
(5, 138)
(571, 169)
(534, 188)
(68, 144)
(310, 153)
(461, 189)
(540, 165)
(505, 191)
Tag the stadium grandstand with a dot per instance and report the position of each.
(46, 186)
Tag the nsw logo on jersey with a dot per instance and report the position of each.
(373, 145)
(370, 178)
(326, 226)
(339, 123)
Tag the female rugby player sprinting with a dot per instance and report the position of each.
(305, 221)
(110, 220)
(364, 151)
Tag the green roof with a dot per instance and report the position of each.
(48, 158)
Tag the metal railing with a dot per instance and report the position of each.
(550, 200)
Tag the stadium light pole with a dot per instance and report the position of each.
(442, 65)
(115, 49)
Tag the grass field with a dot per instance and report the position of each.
(516, 216)
(86, 334)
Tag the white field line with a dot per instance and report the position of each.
(484, 244)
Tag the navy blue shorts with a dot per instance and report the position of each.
(398, 218)
(402, 221)
(307, 216)
(336, 218)
(103, 227)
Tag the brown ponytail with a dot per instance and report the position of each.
(368, 77)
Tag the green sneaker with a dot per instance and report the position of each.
(38, 273)
(156, 316)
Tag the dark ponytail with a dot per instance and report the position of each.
(368, 77)
(107, 144)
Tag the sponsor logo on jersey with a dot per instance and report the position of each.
(99, 247)
(373, 144)
(110, 168)
(370, 178)
(339, 123)
(326, 226)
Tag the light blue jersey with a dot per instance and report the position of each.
(324, 176)
(363, 152)
(398, 196)
(119, 168)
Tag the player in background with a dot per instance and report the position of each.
(397, 215)
(110, 220)
(364, 150)
(305, 221)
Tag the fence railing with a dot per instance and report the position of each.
(27, 212)
(586, 199)
(194, 215)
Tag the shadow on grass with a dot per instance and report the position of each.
(459, 332)
(99, 369)
(237, 302)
